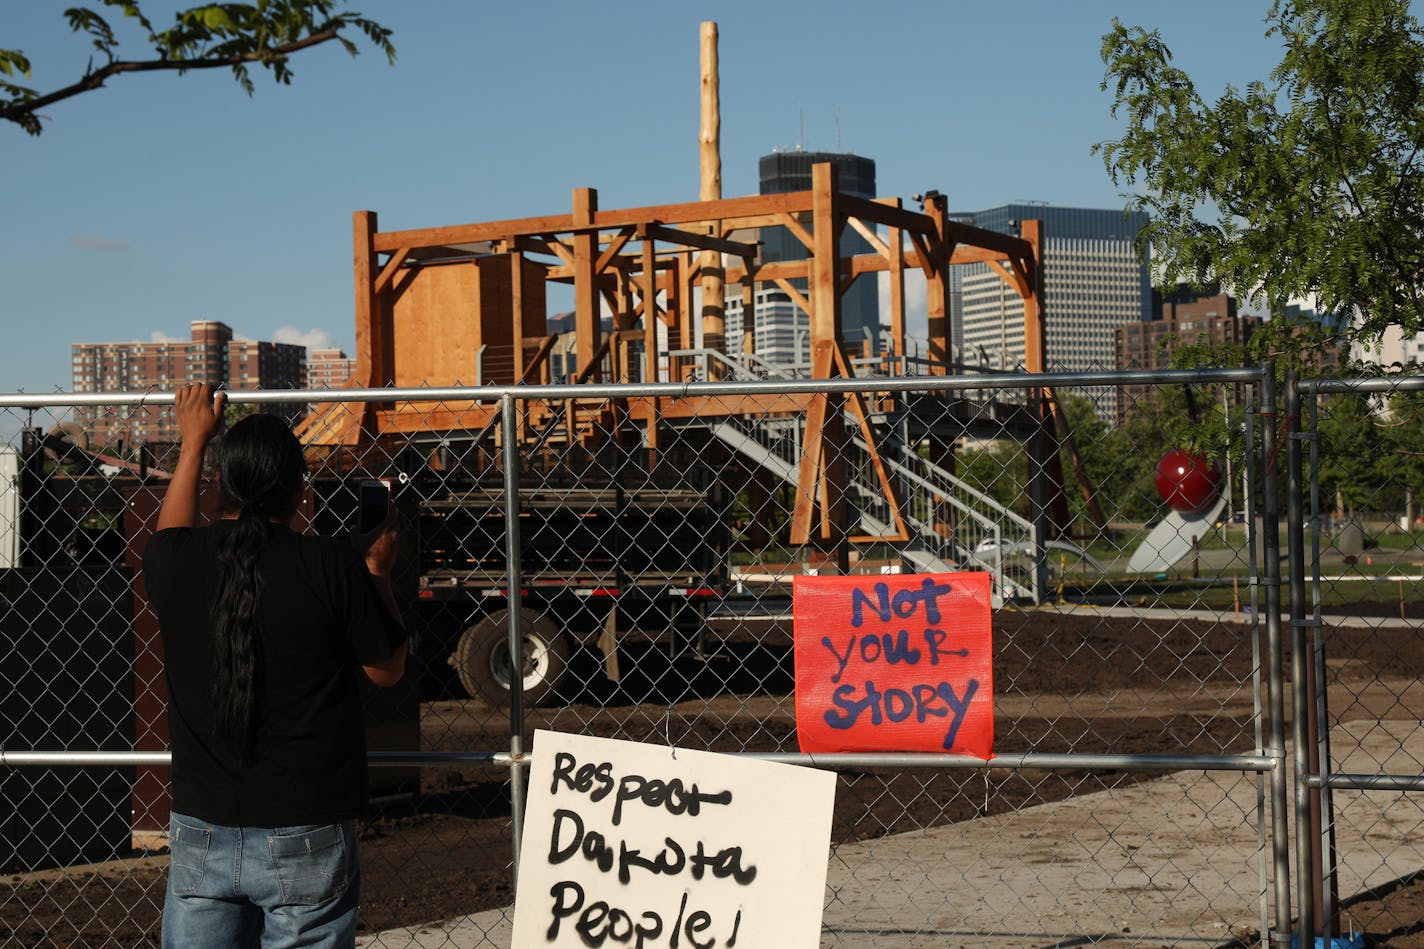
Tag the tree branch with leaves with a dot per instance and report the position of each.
(235, 36)
(1309, 183)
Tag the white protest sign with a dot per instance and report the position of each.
(627, 844)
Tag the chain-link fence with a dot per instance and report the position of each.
(1356, 631)
(629, 565)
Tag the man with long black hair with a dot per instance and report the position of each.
(265, 633)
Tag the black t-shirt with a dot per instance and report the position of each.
(321, 618)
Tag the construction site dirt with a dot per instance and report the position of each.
(1178, 686)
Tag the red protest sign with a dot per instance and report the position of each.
(894, 663)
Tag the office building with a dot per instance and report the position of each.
(210, 355)
(781, 329)
(1093, 282)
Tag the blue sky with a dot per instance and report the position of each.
(163, 199)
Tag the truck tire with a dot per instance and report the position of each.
(482, 659)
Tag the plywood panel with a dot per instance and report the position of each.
(437, 326)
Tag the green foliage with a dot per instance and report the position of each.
(1308, 183)
(1306, 349)
(1000, 470)
(1121, 463)
(1353, 466)
(1379, 466)
(211, 35)
(236, 412)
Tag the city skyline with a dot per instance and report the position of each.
(162, 199)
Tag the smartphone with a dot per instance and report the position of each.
(374, 504)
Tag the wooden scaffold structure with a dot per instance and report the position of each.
(433, 303)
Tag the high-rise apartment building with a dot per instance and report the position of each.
(781, 329)
(1183, 317)
(1093, 282)
(329, 368)
(210, 355)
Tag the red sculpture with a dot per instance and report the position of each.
(1188, 481)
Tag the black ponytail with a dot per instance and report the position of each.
(261, 471)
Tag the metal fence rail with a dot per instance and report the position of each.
(1143, 780)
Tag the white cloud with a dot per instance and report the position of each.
(311, 339)
(94, 242)
(158, 336)
(916, 303)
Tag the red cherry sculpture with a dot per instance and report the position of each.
(1188, 481)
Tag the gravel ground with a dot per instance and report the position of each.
(1075, 681)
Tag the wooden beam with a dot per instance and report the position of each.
(772, 271)
(709, 150)
(586, 296)
(650, 337)
(586, 372)
(727, 212)
(1007, 244)
(890, 215)
(798, 231)
(558, 248)
(538, 245)
(803, 511)
(1035, 337)
(794, 294)
(388, 272)
(432, 416)
(896, 260)
(373, 332)
(541, 355)
(614, 246)
(922, 255)
(684, 305)
(610, 298)
(1022, 280)
(871, 238)
(824, 283)
(721, 245)
(938, 329)
(516, 310)
(1007, 275)
(966, 254)
(867, 432)
(734, 212)
(709, 136)
(748, 285)
(363, 226)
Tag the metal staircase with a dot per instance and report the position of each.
(952, 525)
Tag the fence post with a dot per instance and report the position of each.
(1321, 763)
(1275, 658)
(510, 422)
(1317, 892)
(1040, 494)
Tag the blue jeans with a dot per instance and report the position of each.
(273, 886)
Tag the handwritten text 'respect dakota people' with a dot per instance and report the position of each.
(575, 837)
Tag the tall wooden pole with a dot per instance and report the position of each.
(709, 147)
(587, 327)
(373, 342)
(1035, 335)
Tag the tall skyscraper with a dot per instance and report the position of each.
(782, 329)
(1093, 279)
(210, 355)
